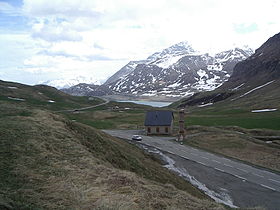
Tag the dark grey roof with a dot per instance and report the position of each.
(159, 118)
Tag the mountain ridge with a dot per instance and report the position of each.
(174, 72)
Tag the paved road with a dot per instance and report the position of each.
(265, 180)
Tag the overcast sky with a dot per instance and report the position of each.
(43, 40)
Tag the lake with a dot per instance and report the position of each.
(150, 103)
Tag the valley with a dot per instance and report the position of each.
(72, 148)
(139, 105)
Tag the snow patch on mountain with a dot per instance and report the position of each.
(66, 83)
(177, 71)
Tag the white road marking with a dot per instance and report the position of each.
(228, 165)
(219, 169)
(201, 163)
(258, 175)
(242, 170)
(240, 177)
(268, 187)
(274, 180)
(205, 158)
(216, 161)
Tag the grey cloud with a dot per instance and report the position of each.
(57, 53)
(57, 36)
(60, 8)
(95, 45)
(81, 58)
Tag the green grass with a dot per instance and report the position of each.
(34, 145)
(39, 95)
(99, 124)
(238, 143)
(269, 120)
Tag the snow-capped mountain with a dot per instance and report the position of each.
(254, 83)
(176, 71)
(84, 89)
(66, 83)
(162, 59)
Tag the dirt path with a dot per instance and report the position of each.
(85, 108)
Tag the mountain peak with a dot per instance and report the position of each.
(261, 67)
(270, 48)
(181, 47)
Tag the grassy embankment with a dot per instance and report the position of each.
(49, 162)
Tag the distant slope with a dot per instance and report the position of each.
(254, 84)
(84, 89)
(48, 162)
(42, 96)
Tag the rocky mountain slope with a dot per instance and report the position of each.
(255, 82)
(84, 89)
(176, 71)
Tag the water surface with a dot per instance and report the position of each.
(150, 103)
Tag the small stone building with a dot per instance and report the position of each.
(159, 122)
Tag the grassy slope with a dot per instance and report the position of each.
(237, 112)
(217, 116)
(237, 143)
(48, 162)
(39, 95)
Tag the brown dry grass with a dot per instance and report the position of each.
(230, 143)
(57, 170)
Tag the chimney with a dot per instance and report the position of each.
(181, 134)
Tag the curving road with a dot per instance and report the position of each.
(266, 184)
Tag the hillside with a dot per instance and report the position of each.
(42, 96)
(49, 162)
(254, 84)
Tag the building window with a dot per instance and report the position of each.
(149, 130)
(166, 129)
(157, 129)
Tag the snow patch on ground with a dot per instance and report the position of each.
(264, 110)
(239, 86)
(148, 94)
(51, 101)
(168, 61)
(16, 99)
(174, 85)
(256, 88)
(203, 105)
(11, 87)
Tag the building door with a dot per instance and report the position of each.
(166, 129)
(157, 129)
(149, 130)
